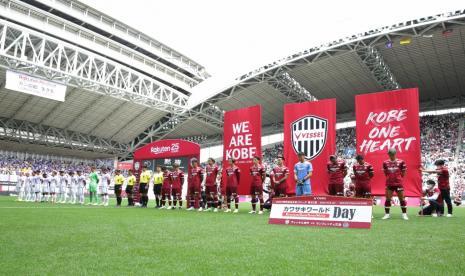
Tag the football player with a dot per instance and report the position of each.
(211, 189)
(81, 184)
(363, 173)
(233, 177)
(279, 176)
(166, 189)
(394, 170)
(257, 171)
(93, 187)
(337, 170)
(104, 185)
(195, 179)
(177, 180)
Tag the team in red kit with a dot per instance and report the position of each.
(218, 194)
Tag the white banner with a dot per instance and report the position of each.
(323, 211)
(35, 86)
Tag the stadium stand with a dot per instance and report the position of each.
(11, 163)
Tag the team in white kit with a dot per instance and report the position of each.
(59, 187)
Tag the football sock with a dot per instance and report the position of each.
(403, 206)
(387, 206)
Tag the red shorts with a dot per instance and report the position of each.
(336, 189)
(211, 190)
(280, 190)
(256, 190)
(231, 190)
(176, 191)
(191, 190)
(166, 190)
(362, 189)
(395, 188)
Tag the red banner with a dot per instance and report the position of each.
(310, 127)
(390, 120)
(242, 141)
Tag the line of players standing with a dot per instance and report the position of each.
(58, 187)
(167, 185)
(395, 170)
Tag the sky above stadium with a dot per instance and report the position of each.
(231, 38)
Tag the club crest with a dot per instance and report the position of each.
(309, 135)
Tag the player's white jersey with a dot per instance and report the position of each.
(104, 183)
(20, 184)
(45, 184)
(81, 183)
(73, 183)
(27, 184)
(63, 183)
(37, 183)
(54, 184)
(30, 180)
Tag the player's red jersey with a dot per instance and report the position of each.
(443, 178)
(434, 191)
(279, 173)
(166, 179)
(212, 172)
(177, 179)
(337, 172)
(393, 171)
(362, 172)
(257, 172)
(233, 176)
(195, 176)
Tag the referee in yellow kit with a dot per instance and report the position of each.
(130, 188)
(144, 181)
(157, 183)
(119, 180)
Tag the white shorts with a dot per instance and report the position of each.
(72, 189)
(45, 188)
(53, 188)
(103, 189)
(37, 188)
(18, 188)
(80, 191)
(61, 189)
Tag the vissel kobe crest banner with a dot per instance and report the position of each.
(310, 127)
(390, 120)
(242, 141)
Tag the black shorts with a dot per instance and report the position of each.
(395, 188)
(129, 189)
(118, 188)
(157, 189)
(143, 188)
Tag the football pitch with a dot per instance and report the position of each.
(38, 239)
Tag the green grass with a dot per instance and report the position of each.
(72, 240)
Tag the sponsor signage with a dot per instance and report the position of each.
(35, 86)
(322, 211)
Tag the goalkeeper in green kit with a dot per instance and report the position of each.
(93, 185)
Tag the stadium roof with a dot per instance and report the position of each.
(431, 57)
